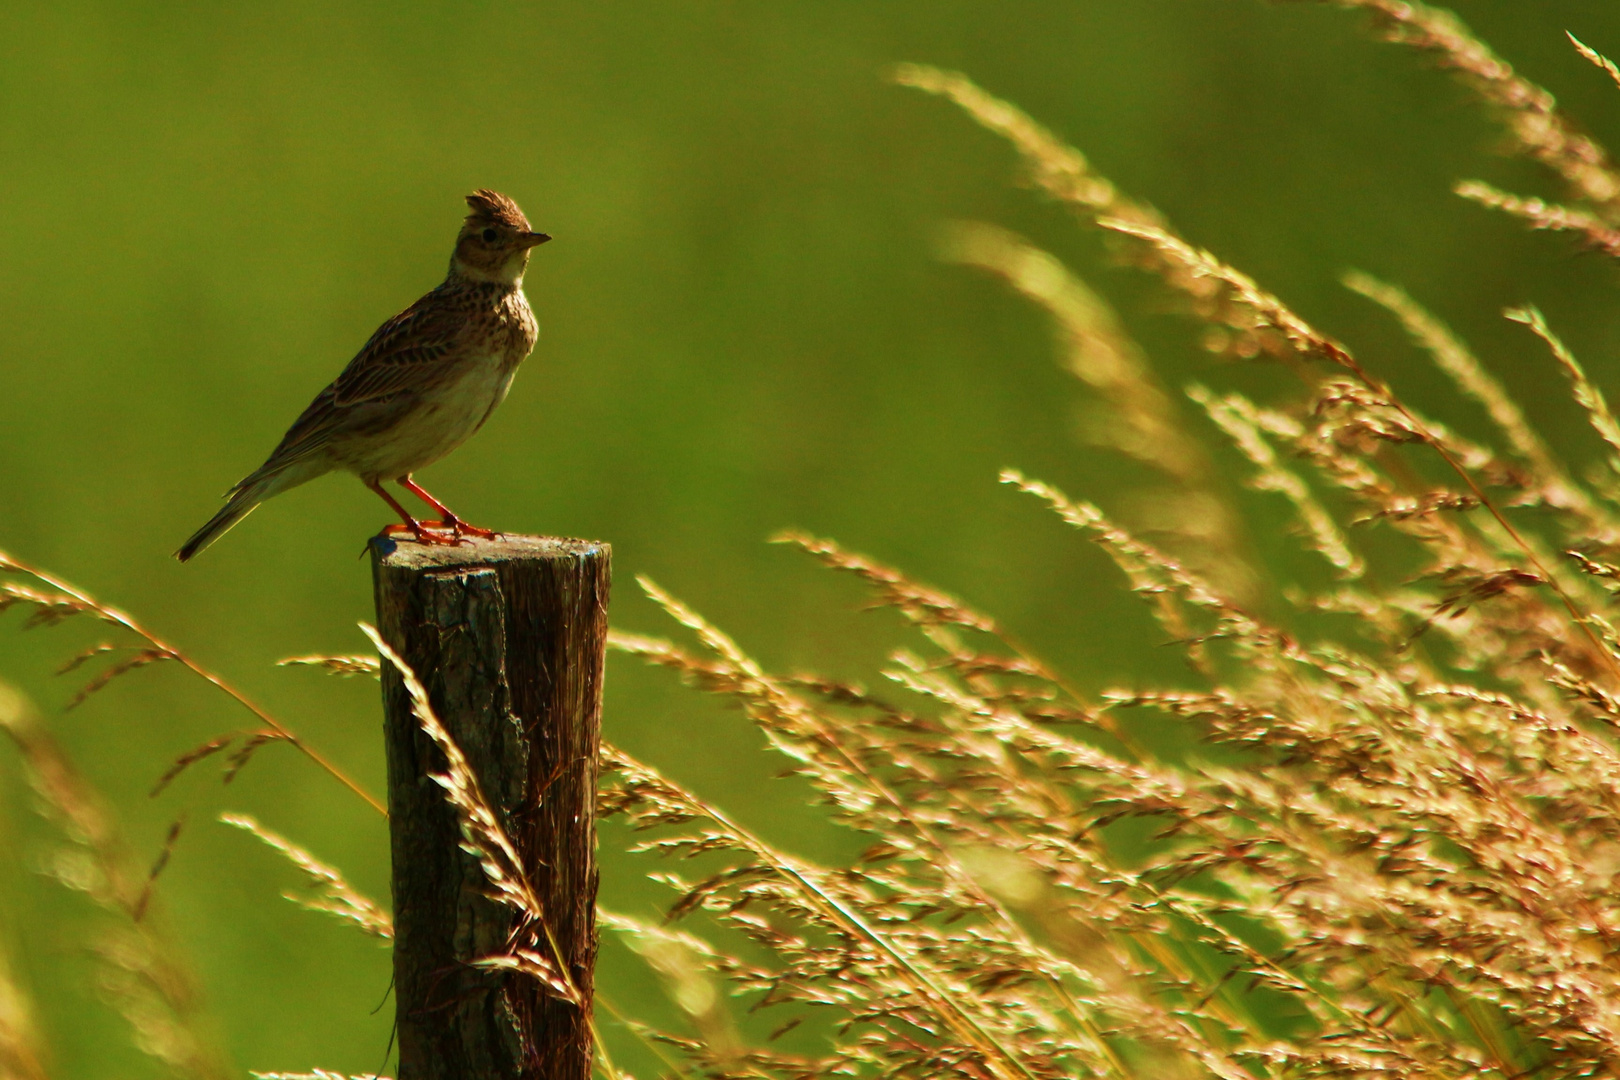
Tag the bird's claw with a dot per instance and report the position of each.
(432, 533)
(460, 528)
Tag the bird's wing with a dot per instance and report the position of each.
(402, 356)
(383, 380)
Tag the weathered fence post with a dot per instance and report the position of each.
(508, 637)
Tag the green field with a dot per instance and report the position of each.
(746, 326)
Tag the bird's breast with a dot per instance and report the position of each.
(448, 407)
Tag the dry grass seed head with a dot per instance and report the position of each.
(1534, 123)
(334, 894)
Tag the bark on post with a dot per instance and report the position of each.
(508, 637)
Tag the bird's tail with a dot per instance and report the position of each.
(272, 478)
(243, 501)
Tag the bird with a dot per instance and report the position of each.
(420, 387)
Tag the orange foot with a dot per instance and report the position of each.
(461, 528)
(425, 532)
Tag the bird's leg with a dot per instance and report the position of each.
(446, 515)
(417, 529)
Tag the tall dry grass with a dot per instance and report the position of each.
(1390, 847)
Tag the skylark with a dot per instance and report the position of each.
(428, 378)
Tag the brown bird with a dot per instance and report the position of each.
(428, 378)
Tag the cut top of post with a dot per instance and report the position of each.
(473, 551)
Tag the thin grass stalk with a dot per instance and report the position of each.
(336, 897)
(167, 651)
(1587, 394)
(1544, 216)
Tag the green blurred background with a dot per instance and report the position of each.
(208, 207)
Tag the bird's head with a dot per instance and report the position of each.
(495, 240)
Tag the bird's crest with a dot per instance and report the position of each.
(494, 208)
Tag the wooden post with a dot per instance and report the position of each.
(508, 637)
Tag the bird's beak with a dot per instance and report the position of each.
(533, 239)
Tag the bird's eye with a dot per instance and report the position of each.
(489, 236)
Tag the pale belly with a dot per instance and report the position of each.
(435, 425)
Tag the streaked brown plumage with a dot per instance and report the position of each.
(428, 378)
